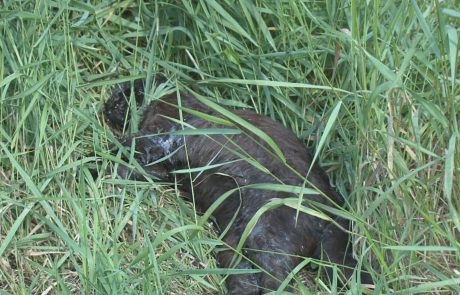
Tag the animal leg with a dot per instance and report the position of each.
(238, 284)
(274, 251)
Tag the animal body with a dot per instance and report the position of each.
(237, 161)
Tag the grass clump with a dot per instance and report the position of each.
(386, 72)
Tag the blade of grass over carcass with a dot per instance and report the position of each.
(207, 117)
(261, 186)
(218, 202)
(204, 168)
(283, 188)
(293, 203)
(244, 124)
(221, 271)
(273, 204)
(206, 131)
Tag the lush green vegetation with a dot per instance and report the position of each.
(389, 69)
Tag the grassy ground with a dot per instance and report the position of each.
(389, 69)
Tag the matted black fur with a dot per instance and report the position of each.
(278, 241)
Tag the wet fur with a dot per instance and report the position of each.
(278, 240)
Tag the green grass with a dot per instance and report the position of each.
(372, 85)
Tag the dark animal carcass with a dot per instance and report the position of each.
(237, 161)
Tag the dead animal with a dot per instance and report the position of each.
(255, 150)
